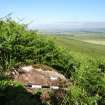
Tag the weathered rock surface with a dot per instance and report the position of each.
(39, 75)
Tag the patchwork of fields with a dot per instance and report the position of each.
(100, 42)
(85, 43)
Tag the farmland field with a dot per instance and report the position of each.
(86, 43)
(101, 42)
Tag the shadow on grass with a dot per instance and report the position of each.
(18, 96)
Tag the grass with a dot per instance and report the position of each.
(82, 47)
(99, 42)
(78, 45)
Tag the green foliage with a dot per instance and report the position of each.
(90, 77)
(19, 46)
(12, 93)
(77, 96)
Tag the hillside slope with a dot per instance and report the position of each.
(77, 45)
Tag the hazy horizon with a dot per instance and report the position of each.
(98, 26)
(56, 14)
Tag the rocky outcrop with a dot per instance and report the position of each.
(39, 75)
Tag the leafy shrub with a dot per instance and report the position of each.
(76, 96)
(19, 46)
(90, 77)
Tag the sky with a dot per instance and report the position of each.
(54, 11)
